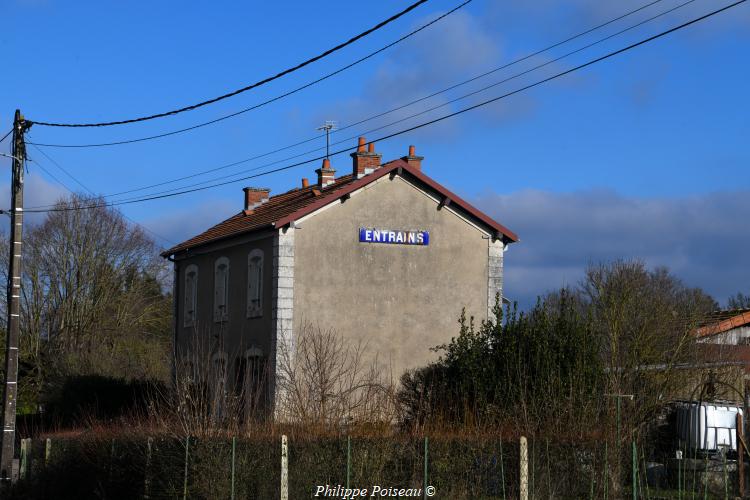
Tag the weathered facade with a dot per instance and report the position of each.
(383, 255)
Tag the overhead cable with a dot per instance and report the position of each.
(65, 171)
(267, 101)
(390, 124)
(403, 106)
(243, 89)
(6, 135)
(427, 123)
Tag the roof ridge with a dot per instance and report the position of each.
(284, 208)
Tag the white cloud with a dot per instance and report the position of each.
(37, 191)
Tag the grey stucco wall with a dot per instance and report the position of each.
(402, 300)
(239, 332)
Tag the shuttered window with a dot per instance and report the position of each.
(221, 289)
(191, 295)
(255, 284)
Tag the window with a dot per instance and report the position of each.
(221, 289)
(191, 295)
(255, 284)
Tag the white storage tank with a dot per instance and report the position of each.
(707, 426)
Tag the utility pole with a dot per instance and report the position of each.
(10, 392)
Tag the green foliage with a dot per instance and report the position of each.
(546, 356)
(624, 330)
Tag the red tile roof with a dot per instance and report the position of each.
(723, 321)
(284, 208)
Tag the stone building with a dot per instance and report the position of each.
(382, 254)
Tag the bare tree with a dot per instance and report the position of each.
(93, 296)
(324, 379)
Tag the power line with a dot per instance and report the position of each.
(6, 135)
(271, 100)
(88, 190)
(436, 120)
(246, 88)
(451, 87)
(401, 120)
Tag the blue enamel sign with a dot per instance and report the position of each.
(394, 237)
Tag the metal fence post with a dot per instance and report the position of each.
(606, 470)
(740, 456)
(284, 468)
(549, 473)
(234, 453)
(502, 469)
(187, 460)
(524, 469)
(146, 482)
(426, 457)
(726, 481)
(635, 471)
(348, 460)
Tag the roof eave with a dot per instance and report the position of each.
(501, 232)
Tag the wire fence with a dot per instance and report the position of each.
(354, 467)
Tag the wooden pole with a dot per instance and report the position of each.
(47, 451)
(524, 469)
(10, 390)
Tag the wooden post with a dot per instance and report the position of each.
(524, 469)
(47, 451)
(284, 469)
(741, 451)
(24, 458)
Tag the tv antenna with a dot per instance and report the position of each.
(329, 126)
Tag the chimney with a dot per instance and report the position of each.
(325, 174)
(412, 159)
(305, 183)
(254, 197)
(364, 162)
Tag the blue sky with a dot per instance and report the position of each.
(642, 156)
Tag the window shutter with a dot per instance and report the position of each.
(221, 289)
(255, 284)
(191, 295)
